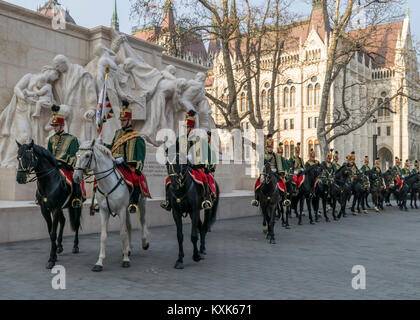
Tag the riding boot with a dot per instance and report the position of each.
(166, 204)
(134, 200)
(76, 196)
(206, 204)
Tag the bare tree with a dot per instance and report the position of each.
(344, 44)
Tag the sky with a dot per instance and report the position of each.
(92, 13)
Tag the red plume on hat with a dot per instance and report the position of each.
(56, 118)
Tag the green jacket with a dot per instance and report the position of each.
(296, 163)
(64, 147)
(276, 161)
(365, 168)
(132, 150)
(336, 165)
(397, 170)
(405, 172)
(415, 170)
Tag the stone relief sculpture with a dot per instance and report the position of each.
(158, 99)
(76, 89)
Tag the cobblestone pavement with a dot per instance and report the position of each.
(308, 262)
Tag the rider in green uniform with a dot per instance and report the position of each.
(365, 166)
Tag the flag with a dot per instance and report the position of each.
(104, 109)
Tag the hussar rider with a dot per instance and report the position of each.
(64, 147)
(327, 165)
(365, 168)
(416, 168)
(276, 165)
(129, 150)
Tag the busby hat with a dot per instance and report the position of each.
(57, 119)
(353, 156)
(297, 149)
(189, 118)
(269, 142)
(125, 112)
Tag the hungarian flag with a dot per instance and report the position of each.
(104, 109)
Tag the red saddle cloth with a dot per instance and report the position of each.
(298, 180)
(68, 175)
(201, 178)
(399, 182)
(132, 179)
(281, 184)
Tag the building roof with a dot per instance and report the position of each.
(48, 10)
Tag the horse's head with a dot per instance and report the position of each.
(85, 160)
(266, 173)
(27, 161)
(177, 170)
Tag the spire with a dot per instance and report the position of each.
(319, 20)
(115, 22)
(168, 15)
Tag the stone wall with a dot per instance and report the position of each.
(28, 42)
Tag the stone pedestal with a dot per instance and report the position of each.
(10, 190)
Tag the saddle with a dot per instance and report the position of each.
(298, 180)
(400, 182)
(201, 178)
(132, 179)
(280, 183)
(68, 177)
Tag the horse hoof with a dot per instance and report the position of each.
(272, 241)
(287, 227)
(196, 258)
(283, 224)
(179, 265)
(60, 250)
(203, 252)
(50, 264)
(300, 223)
(97, 268)
(146, 246)
(327, 220)
(125, 264)
(75, 250)
(312, 222)
(129, 252)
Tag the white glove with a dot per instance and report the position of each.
(295, 172)
(301, 169)
(119, 160)
(402, 177)
(274, 170)
(189, 157)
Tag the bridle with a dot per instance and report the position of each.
(180, 177)
(31, 169)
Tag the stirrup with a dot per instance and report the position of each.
(165, 205)
(131, 207)
(255, 203)
(76, 203)
(206, 204)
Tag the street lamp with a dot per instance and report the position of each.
(375, 139)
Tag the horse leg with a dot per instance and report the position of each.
(143, 224)
(179, 264)
(53, 238)
(300, 211)
(129, 233)
(333, 206)
(203, 231)
(308, 204)
(271, 225)
(324, 208)
(195, 216)
(353, 203)
(62, 221)
(75, 214)
(123, 235)
(288, 213)
(104, 234)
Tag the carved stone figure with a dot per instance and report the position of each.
(76, 88)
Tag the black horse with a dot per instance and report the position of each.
(307, 191)
(53, 194)
(360, 188)
(377, 187)
(415, 191)
(323, 191)
(269, 196)
(390, 185)
(407, 186)
(284, 207)
(186, 196)
(340, 190)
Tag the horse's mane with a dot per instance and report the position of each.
(87, 145)
(46, 154)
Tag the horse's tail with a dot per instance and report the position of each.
(75, 215)
(215, 206)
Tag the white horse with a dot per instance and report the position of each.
(113, 197)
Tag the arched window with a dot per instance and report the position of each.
(317, 94)
(309, 95)
(269, 99)
(263, 99)
(286, 97)
(292, 148)
(292, 96)
(286, 150)
(317, 151)
(243, 101)
(310, 145)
